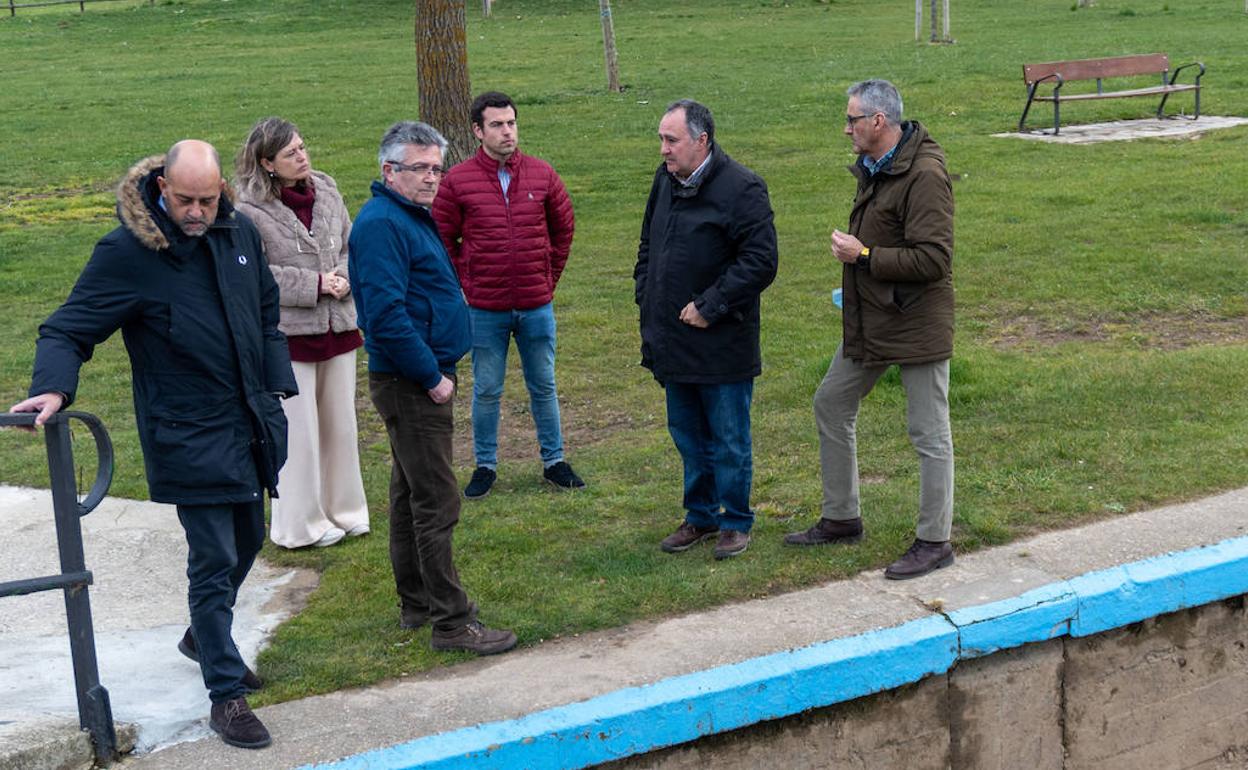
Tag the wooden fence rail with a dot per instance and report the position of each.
(82, 4)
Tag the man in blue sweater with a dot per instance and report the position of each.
(416, 328)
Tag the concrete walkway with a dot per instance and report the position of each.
(137, 554)
(325, 728)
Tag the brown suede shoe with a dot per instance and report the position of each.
(234, 721)
(685, 537)
(827, 531)
(474, 637)
(731, 543)
(251, 682)
(923, 557)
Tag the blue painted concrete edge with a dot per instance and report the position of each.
(680, 709)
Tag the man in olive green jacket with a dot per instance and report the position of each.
(897, 273)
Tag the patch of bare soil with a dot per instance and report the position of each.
(10, 197)
(1162, 331)
(584, 424)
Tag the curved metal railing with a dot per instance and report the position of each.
(95, 714)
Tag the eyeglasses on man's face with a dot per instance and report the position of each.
(421, 169)
(852, 119)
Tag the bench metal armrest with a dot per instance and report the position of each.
(1031, 97)
(1057, 75)
(1175, 74)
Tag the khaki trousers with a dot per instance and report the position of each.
(927, 415)
(320, 486)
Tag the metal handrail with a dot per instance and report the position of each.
(95, 713)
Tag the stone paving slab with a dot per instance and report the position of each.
(1125, 130)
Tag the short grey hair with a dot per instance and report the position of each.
(878, 96)
(697, 118)
(408, 132)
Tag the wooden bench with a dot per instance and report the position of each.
(1058, 72)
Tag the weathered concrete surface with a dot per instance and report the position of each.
(324, 728)
(53, 743)
(1005, 710)
(137, 553)
(1170, 692)
(1121, 130)
(905, 727)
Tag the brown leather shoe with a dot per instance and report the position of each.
(474, 637)
(731, 543)
(234, 721)
(923, 557)
(685, 537)
(827, 531)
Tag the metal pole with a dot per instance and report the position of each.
(94, 710)
(918, 19)
(934, 13)
(945, 22)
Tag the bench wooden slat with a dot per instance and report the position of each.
(1091, 69)
(1154, 91)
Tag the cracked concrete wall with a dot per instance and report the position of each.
(1170, 693)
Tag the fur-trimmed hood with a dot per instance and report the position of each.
(139, 211)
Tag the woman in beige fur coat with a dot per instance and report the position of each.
(304, 225)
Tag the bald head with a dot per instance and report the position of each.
(192, 185)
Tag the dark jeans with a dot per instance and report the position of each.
(223, 541)
(710, 425)
(424, 501)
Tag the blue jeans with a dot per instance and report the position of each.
(710, 425)
(534, 331)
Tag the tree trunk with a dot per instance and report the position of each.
(608, 47)
(935, 13)
(442, 73)
(944, 22)
(918, 20)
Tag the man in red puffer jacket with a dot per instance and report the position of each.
(507, 223)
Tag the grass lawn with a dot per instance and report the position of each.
(1102, 338)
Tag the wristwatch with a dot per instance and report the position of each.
(864, 258)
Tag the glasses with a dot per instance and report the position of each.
(420, 168)
(851, 119)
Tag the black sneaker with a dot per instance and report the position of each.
(481, 483)
(234, 721)
(474, 637)
(561, 475)
(251, 682)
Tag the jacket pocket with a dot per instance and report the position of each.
(202, 450)
(904, 296)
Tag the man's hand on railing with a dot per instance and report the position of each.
(46, 404)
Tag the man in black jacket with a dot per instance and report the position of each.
(185, 280)
(708, 250)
